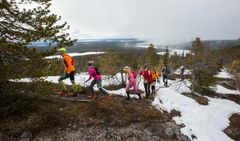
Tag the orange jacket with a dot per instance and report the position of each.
(154, 75)
(68, 63)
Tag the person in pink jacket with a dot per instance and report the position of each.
(132, 81)
(94, 73)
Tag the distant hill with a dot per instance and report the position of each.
(85, 45)
(128, 44)
(213, 44)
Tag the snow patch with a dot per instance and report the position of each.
(80, 78)
(222, 90)
(181, 86)
(186, 71)
(206, 122)
(224, 74)
(74, 54)
(178, 52)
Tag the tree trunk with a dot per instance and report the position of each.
(195, 80)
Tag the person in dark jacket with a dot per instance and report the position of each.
(165, 74)
(182, 69)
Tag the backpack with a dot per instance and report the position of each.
(134, 74)
(168, 71)
(96, 72)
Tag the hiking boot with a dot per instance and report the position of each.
(72, 95)
(165, 84)
(61, 93)
(139, 96)
(128, 96)
(91, 97)
(147, 96)
(109, 97)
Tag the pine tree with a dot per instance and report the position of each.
(150, 56)
(203, 67)
(19, 27)
(166, 56)
(235, 70)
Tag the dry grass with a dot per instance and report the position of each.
(114, 87)
(234, 129)
(201, 100)
(117, 111)
(41, 112)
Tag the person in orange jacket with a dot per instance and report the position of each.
(69, 72)
(153, 80)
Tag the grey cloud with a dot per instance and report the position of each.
(162, 21)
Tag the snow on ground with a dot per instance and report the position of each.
(74, 54)
(186, 71)
(79, 79)
(222, 90)
(224, 74)
(206, 122)
(181, 86)
(179, 52)
(106, 81)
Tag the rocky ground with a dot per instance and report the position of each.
(152, 127)
(150, 130)
(31, 117)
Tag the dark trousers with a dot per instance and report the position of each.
(147, 89)
(182, 76)
(99, 85)
(153, 87)
(165, 80)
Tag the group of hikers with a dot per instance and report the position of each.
(69, 72)
(150, 76)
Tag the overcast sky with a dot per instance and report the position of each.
(159, 21)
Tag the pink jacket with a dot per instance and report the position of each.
(131, 77)
(93, 74)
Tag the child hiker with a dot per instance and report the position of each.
(69, 72)
(132, 81)
(153, 79)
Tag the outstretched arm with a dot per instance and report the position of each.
(90, 75)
